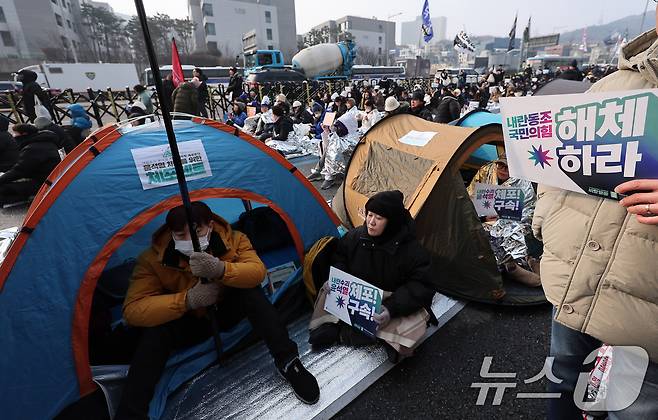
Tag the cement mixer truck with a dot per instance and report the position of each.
(319, 62)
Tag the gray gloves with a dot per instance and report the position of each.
(206, 266)
(202, 295)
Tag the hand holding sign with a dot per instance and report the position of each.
(642, 199)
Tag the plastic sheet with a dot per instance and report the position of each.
(298, 143)
(248, 387)
(339, 150)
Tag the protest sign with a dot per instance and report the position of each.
(329, 118)
(155, 165)
(497, 200)
(588, 143)
(353, 301)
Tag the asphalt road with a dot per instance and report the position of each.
(436, 382)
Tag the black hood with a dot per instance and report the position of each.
(4, 123)
(28, 76)
(44, 136)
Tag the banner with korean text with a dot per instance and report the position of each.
(588, 143)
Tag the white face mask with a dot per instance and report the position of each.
(186, 247)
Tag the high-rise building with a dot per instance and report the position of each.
(265, 24)
(374, 38)
(410, 32)
(38, 29)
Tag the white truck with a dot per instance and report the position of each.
(81, 76)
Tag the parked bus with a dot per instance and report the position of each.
(360, 72)
(553, 61)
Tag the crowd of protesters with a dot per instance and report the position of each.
(296, 129)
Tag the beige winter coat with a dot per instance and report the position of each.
(600, 266)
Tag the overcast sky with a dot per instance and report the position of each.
(479, 17)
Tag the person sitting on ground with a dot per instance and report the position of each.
(168, 302)
(80, 120)
(418, 107)
(318, 116)
(144, 96)
(38, 156)
(186, 99)
(239, 114)
(508, 237)
(369, 117)
(8, 146)
(300, 115)
(266, 120)
(252, 100)
(393, 107)
(337, 145)
(384, 252)
(137, 111)
(281, 99)
(448, 109)
(339, 106)
(63, 141)
(282, 123)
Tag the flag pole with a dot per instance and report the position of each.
(175, 154)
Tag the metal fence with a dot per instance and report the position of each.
(104, 106)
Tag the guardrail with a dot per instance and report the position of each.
(105, 105)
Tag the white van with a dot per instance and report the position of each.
(81, 76)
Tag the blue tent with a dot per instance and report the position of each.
(94, 214)
(475, 119)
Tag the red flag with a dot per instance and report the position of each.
(176, 69)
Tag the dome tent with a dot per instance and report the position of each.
(92, 215)
(423, 160)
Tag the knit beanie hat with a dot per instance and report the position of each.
(388, 204)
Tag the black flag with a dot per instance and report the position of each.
(512, 35)
(526, 32)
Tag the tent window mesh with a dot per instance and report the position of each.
(386, 170)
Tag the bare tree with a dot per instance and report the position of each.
(366, 55)
(185, 31)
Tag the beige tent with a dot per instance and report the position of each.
(392, 157)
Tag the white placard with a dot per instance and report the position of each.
(418, 138)
(156, 168)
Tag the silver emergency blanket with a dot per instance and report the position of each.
(338, 153)
(247, 386)
(298, 143)
(507, 237)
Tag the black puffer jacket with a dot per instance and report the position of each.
(64, 141)
(8, 146)
(235, 86)
(31, 89)
(301, 117)
(38, 156)
(448, 110)
(422, 112)
(186, 99)
(282, 127)
(399, 264)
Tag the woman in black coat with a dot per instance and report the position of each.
(8, 146)
(384, 252)
(37, 157)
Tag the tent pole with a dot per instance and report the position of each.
(178, 165)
